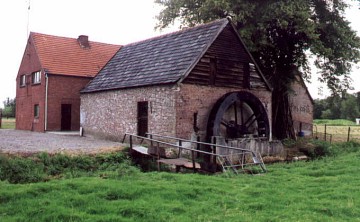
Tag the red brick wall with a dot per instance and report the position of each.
(64, 90)
(301, 107)
(61, 90)
(29, 95)
(200, 99)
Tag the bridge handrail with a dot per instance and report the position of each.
(181, 147)
(203, 143)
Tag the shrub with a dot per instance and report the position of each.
(351, 146)
(322, 149)
(126, 169)
(312, 148)
(21, 170)
(41, 167)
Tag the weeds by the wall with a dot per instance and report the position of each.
(316, 149)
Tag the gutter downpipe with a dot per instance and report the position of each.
(46, 99)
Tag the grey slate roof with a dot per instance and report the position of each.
(160, 60)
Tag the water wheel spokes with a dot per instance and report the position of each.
(238, 114)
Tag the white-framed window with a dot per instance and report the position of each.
(22, 80)
(36, 110)
(36, 77)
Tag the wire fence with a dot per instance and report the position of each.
(336, 133)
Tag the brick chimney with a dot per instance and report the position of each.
(84, 41)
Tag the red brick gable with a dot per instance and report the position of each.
(65, 56)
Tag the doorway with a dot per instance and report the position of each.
(142, 118)
(65, 117)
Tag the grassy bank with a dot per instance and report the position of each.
(8, 123)
(319, 190)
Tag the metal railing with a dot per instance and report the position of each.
(222, 158)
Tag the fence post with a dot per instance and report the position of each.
(348, 138)
(325, 133)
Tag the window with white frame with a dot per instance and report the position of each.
(22, 80)
(36, 77)
(36, 110)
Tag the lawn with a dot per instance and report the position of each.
(8, 123)
(326, 189)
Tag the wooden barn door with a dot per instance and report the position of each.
(142, 118)
(65, 117)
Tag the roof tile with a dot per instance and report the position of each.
(160, 60)
(65, 56)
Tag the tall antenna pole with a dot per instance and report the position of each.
(28, 19)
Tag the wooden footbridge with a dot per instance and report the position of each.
(196, 155)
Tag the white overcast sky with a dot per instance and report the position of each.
(109, 21)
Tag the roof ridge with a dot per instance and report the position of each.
(177, 32)
(66, 37)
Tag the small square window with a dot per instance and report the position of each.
(22, 80)
(36, 77)
(36, 110)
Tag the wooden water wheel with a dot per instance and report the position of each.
(238, 115)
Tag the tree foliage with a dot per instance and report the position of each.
(282, 35)
(346, 106)
(9, 108)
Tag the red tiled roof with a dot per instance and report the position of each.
(65, 56)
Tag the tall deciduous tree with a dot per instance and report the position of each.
(9, 107)
(282, 34)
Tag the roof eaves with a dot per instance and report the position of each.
(69, 75)
(302, 82)
(88, 91)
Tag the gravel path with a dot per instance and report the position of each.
(27, 142)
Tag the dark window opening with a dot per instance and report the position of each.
(36, 110)
(213, 70)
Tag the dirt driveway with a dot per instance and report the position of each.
(26, 142)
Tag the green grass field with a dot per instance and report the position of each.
(320, 190)
(338, 129)
(334, 122)
(8, 123)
